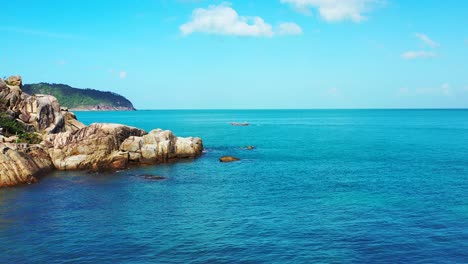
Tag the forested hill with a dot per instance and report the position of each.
(80, 99)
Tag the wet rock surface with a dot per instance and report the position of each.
(228, 159)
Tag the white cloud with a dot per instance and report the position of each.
(289, 29)
(410, 55)
(224, 20)
(336, 10)
(421, 54)
(123, 74)
(424, 38)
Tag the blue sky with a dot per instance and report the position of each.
(200, 54)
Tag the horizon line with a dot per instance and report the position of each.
(267, 109)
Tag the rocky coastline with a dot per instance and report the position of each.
(67, 144)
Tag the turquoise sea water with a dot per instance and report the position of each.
(373, 186)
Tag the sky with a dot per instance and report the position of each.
(241, 54)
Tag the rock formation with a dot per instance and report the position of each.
(15, 80)
(69, 145)
(3, 85)
(160, 146)
(71, 122)
(39, 113)
(95, 147)
(22, 163)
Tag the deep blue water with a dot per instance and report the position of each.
(374, 186)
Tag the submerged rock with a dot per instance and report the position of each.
(228, 159)
(239, 124)
(153, 177)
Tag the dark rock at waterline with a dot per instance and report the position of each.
(239, 124)
(153, 177)
(228, 159)
(249, 147)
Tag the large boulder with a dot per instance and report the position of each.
(160, 146)
(71, 122)
(11, 96)
(43, 112)
(95, 147)
(22, 163)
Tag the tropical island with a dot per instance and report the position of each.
(77, 99)
(38, 135)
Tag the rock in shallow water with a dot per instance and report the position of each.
(228, 159)
(239, 124)
(153, 177)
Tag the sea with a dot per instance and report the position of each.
(321, 186)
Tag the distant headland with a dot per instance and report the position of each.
(77, 99)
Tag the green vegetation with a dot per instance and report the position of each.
(13, 127)
(26, 137)
(79, 98)
(9, 125)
